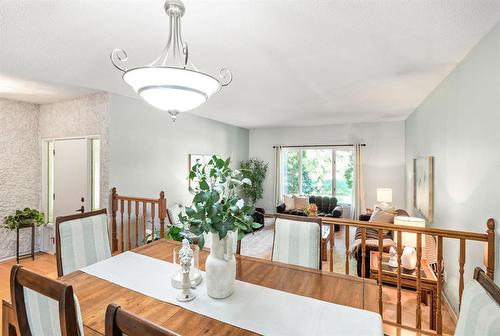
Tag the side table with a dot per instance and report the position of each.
(27, 255)
(428, 280)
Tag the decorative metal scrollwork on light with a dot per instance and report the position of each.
(171, 82)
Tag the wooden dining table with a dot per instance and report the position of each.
(96, 294)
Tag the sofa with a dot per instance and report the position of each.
(327, 207)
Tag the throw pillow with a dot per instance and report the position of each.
(382, 216)
(289, 202)
(301, 202)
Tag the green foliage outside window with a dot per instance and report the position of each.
(316, 166)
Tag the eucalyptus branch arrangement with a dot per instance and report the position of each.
(217, 207)
(24, 217)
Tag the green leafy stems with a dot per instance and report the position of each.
(256, 171)
(217, 206)
(24, 217)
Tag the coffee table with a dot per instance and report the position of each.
(428, 280)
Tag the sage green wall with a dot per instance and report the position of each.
(459, 125)
(149, 153)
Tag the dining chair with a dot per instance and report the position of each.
(297, 241)
(121, 322)
(42, 306)
(81, 240)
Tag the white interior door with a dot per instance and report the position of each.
(71, 177)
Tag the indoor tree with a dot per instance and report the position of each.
(255, 170)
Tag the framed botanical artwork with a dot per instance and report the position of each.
(423, 187)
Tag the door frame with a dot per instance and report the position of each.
(45, 169)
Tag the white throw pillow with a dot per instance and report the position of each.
(289, 202)
(301, 202)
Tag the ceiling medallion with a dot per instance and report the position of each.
(171, 82)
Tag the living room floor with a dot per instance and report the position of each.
(260, 244)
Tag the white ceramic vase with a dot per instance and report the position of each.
(409, 258)
(220, 267)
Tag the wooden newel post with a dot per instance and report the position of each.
(162, 213)
(490, 262)
(114, 208)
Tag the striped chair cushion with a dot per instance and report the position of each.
(479, 312)
(84, 242)
(43, 314)
(297, 242)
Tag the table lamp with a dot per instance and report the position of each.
(384, 196)
(409, 240)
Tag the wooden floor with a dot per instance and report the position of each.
(45, 264)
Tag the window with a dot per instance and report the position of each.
(324, 171)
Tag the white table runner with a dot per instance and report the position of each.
(259, 309)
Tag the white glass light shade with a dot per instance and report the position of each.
(172, 89)
(408, 238)
(384, 195)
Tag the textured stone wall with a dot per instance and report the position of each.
(80, 117)
(23, 127)
(20, 168)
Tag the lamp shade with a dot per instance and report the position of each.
(384, 195)
(172, 89)
(408, 238)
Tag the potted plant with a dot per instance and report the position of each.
(24, 218)
(219, 211)
(255, 170)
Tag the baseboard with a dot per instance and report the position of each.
(450, 310)
(14, 256)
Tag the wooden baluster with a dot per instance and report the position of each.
(380, 291)
(439, 317)
(162, 213)
(153, 222)
(363, 252)
(347, 249)
(114, 209)
(419, 282)
(399, 251)
(129, 205)
(332, 240)
(122, 205)
(461, 263)
(490, 267)
(136, 223)
(144, 222)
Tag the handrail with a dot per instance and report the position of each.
(462, 236)
(137, 199)
(133, 210)
(394, 227)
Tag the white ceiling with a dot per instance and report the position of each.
(306, 62)
(31, 91)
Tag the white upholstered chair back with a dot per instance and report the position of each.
(81, 240)
(43, 314)
(297, 241)
(40, 303)
(479, 312)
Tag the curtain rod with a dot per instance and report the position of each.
(299, 146)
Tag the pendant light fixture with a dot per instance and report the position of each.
(171, 82)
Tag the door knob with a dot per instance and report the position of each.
(82, 209)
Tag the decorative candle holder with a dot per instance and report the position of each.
(194, 272)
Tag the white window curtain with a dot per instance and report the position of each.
(278, 191)
(358, 193)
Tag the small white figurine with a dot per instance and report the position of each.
(393, 259)
(185, 254)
